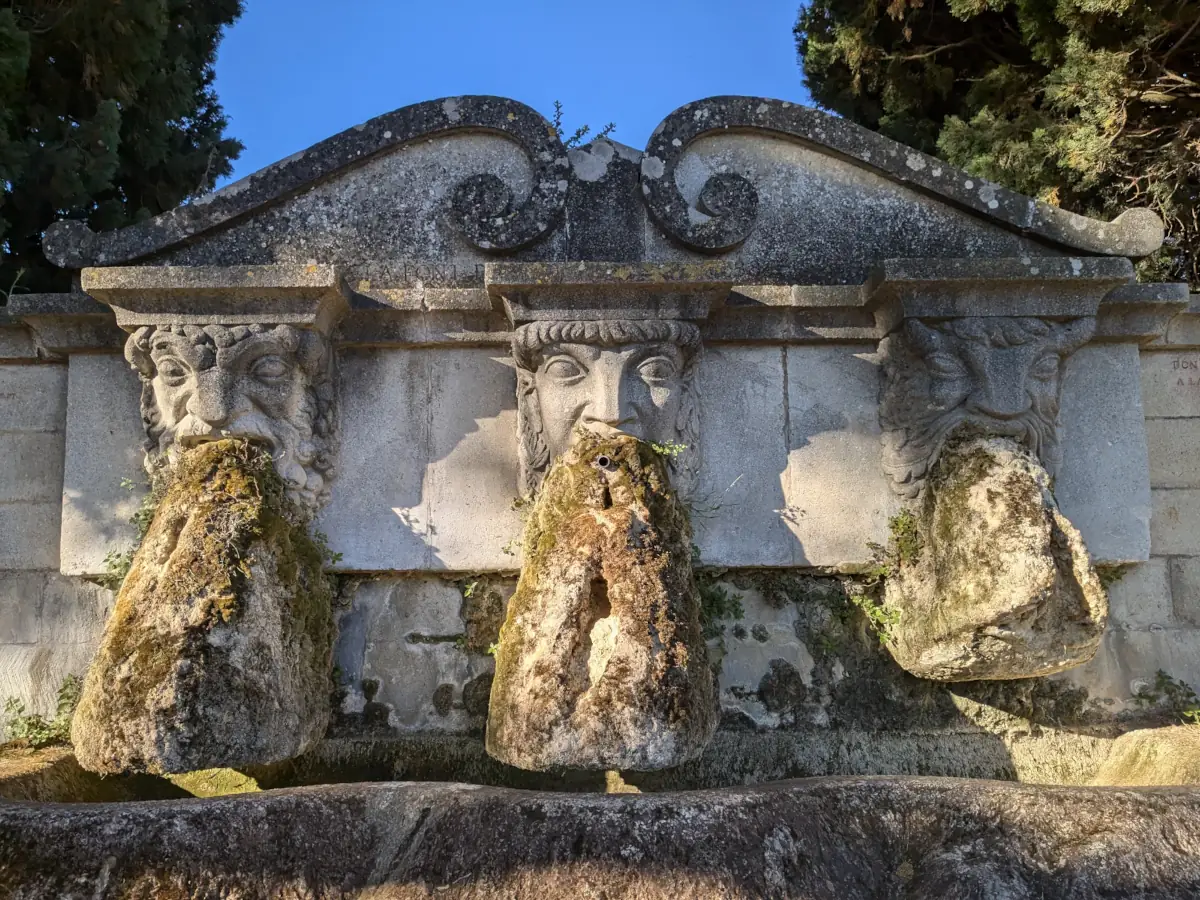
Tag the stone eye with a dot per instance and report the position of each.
(1045, 368)
(946, 366)
(172, 371)
(563, 369)
(269, 368)
(659, 368)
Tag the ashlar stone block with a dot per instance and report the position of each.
(1171, 383)
(1174, 446)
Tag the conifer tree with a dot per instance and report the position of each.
(107, 114)
(1093, 105)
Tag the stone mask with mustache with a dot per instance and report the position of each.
(997, 376)
(268, 384)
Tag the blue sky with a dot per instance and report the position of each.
(291, 72)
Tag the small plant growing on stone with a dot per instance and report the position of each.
(1110, 575)
(118, 562)
(580, 133)
(880, 617)
(492, 648)
(716, 605)
(38, 731)
(904, 547)
(1173, 695)
(669, 449)
(321, 539)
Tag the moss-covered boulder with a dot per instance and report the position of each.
(1153, 756)
(217, 652)
(998, 583)
(601, 663)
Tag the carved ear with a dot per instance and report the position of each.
(925, 340)
(137, 351)
(1074, 334)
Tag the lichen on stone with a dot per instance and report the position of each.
(1001, 585)
(601, 663)
(217, 652)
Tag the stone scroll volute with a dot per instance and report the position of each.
(987, 578)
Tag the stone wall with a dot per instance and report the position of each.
(1156, 604)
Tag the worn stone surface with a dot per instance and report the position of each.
(1002, 586)
(1141, 597)
(311, 295)
(849, 838)
(726, 211)
(601, 664)
(837, 500)
(103, 474)
(1174, 446)
(1175, 522)
(1185, 588)
(1102, 484)
(1171, 383)
(1153, 756)
(482, 203)
(217, 652)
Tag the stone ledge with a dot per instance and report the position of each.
(305, 295)
(846, 837)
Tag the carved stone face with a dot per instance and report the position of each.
(632, 389)
(999, 376)
(263, 383)
(610, 377)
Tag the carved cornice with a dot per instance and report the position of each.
(306, 296)
(728, 202)
(482, 203)
(598, 290)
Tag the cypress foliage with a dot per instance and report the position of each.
(107, 114)
(1092, 105)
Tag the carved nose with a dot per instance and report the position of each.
(209, 404)
(610, 407)
(1002, 401)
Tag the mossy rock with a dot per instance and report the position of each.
(601, 662)
(999, 584)
(217, 652)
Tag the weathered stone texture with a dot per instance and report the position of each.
(1153, 756)
(1002, 585)
(1185, 588)
(103, 458)
(1141, 597)
(850, 838)
(1101, 484)
(403, 640)
(1174, 452)
(217, 652)
(1171, 383)
(1175, 522)
(836, 497)
(601, 664)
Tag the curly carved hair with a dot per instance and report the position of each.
(315, 356)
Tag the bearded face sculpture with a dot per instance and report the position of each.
(269, 384)
(608, 377)
(998, 376)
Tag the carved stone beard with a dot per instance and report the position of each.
(294, 366)
(529, 342)
(996, 376)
